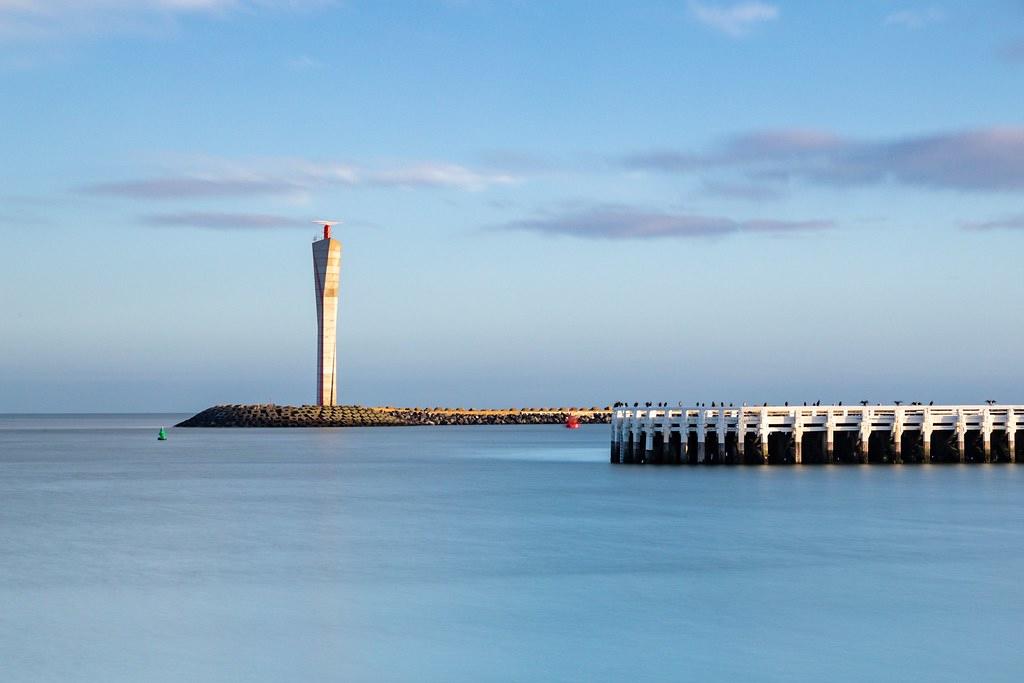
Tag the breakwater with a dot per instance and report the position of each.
(271, 415)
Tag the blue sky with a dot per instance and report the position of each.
(545, 203)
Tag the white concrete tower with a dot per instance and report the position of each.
(326, 271)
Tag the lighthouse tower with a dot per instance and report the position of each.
(326, 270)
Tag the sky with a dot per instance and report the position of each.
(544, 203)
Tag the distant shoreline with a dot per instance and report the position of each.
(270, 415)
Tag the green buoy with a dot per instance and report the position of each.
(162, 436)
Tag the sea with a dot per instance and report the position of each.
(489, 553)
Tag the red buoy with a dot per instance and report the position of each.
(572, 422)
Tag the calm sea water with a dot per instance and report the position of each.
(488, 554)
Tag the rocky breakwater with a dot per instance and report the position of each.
(512, 416)
(270, 415)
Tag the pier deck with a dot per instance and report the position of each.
(816, 434)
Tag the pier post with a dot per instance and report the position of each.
(926, 435)
(1011, 434)
(986, 434)
(798, 437)
(637, 456)
(701, 433)
(830, 439)
(741, 436)
(648, 445)
(961, 434)
(865, 436)
(897, 437)
(762, 432)
(616, 433)
(720, 433)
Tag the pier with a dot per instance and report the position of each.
(800, 435)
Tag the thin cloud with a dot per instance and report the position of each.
(304, 63)
(231, 179)
(987, 159)
(1013, 52)
(223, 221)
(748, 191)
(436, 175)
(31, 20)
(915, 18)
(191, 188)
(616, 222)
(736, 19)
(1012, 223)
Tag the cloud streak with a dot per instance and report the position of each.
(223, 221)
(295, 178)
(1011, 223)
(988, 159)
(735, 20)
(617, 222)
(915, 18)
(1013, 52)
(27, 20)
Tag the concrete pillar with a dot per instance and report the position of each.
(926, 434)
(897, 437)
(961, 433)
(666, 445)
(721, 445)
(649, 446)
(701, 432)
(1011, 434)
(798, 445)
(741, 435)
(762, 431)
(986, 434)
(638, 446)
(830, 438)
(865, 435)
(616, 439)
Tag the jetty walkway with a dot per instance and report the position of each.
(816, 434)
